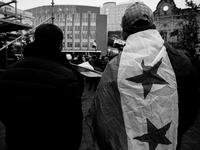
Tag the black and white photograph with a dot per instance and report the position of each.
(100, 75)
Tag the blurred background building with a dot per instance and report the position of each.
(81, 26)
(114, 14)
(165, 17)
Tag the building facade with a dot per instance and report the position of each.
(114, 14)
(165, 17)
(167, 20)
(81, 25)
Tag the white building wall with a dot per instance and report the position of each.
(114, 14)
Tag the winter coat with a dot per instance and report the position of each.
(41, 103)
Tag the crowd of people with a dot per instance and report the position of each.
(99, 63)
(95, 62)
(140, 100)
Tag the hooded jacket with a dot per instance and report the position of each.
(41, 102)
(144, 96)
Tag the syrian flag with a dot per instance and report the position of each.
(136, 103)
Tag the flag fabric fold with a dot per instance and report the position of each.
(106, 113)
(136, 103)
(87, 70)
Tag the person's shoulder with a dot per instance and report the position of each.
(180, 62)
(39, 64)
(62, 70)
(174, 52)
(115, 59)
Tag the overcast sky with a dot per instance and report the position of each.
(26, 4)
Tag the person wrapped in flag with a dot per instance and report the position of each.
(147, 97)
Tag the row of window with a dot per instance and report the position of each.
(84, 36)
(78, 44)
(77, 28)
(84, 15)
(85, 28)
(76, 20)
(61, 18)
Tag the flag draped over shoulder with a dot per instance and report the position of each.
(136, 103)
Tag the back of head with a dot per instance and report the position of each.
(48, 35)
(137, 17)
(48, 40)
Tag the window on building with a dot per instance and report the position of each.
(92, 28)
(77, 36)
(77, 28)
(93, 17)
(77, 44)
(62, 20)
(69, 28)
(77, 17)
(93, 36)
(85, 44)
(85, 36)
(69, 36)
(85, 17)
(69, 44)
(85, 28)
(69, 18)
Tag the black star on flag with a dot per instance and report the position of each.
(155, 136)
(149, 77)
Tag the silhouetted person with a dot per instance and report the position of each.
(41, 97)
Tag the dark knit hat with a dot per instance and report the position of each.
(136, 11)
(48, 35)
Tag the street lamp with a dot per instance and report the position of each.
(52, 11)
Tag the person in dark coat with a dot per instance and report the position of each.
(41, 97)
